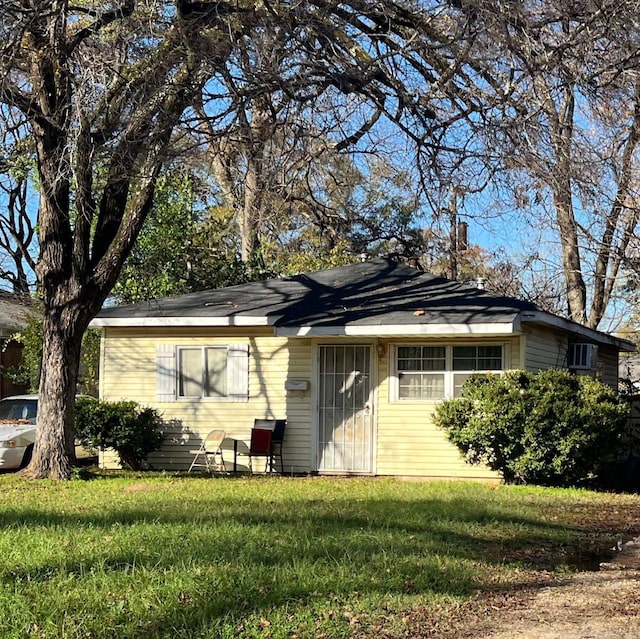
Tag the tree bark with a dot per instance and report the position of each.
(62, 339)
(251, 208)
(572, 263)
(562, 134)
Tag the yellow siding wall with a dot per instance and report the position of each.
(608, 366)
(128, 371)
(545, 349)
(406, 440)
(549, 349)
(409, 443)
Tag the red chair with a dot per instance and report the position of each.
(260, 446)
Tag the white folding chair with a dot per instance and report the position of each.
(210, 452)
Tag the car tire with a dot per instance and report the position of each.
(26, 458)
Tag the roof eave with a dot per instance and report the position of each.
(179, 322)
(548, 319)
(488, 329)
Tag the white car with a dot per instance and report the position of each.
(18, 431)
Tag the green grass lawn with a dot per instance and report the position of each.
(164, 556)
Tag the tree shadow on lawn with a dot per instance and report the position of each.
(249, 556)
(476, 532)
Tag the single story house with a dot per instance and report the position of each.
(629, 372)
(355, 358)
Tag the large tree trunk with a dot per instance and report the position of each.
(562, 117)
(247, 145)
(62, 339)
(251, 211)
(572, 263)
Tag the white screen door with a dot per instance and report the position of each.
(344, 408)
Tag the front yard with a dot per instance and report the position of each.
(175, 556)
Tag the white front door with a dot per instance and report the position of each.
(345, 408)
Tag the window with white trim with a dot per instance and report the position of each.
(421, 371)
(203, 372)
(424, 373)
(470, 360)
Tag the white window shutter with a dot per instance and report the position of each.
(238, 372)
(165, 373)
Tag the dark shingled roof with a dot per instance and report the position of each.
(377, 292)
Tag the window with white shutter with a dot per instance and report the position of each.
(165, 373)
(203, 372)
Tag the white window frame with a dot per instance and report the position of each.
(449, 373)
(168, 373)
(203, 374)
(583, 356)
(437, 373)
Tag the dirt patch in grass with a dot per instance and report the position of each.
(583, 605)
(600, 601)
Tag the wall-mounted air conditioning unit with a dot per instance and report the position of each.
(583, 356)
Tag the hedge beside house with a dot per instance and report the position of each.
(129, 429)
(551, 428)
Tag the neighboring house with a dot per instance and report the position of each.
(13, 318)
(629, 373)
(355, 358)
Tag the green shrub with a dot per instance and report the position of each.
(131, 431)
(551, 428)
